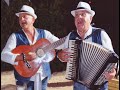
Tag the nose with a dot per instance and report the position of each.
(21, 18)
(79, 16)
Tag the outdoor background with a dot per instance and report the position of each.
(54, 15)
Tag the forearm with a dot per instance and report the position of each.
(6, 54)
(8, 57)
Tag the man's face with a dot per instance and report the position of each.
(82, 20)
(26, 20)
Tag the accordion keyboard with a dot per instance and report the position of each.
(71, 64)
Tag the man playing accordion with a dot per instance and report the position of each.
(83, 16)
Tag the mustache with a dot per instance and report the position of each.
(80, 21)
(24, 22)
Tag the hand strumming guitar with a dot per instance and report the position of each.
(64, 55)
(28, 56)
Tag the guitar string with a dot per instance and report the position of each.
(53, 45)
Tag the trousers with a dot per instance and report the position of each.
(30, 85)
(78, 86)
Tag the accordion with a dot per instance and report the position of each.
(88, 62)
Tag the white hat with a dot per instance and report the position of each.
(28, 10)
(83, 6)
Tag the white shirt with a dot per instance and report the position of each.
(106, 41)
(8, 57)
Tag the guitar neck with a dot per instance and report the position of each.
(54, 45)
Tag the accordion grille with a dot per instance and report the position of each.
(93, 58)
(87, 67)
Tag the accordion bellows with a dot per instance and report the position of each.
(88, 62)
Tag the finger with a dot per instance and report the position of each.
(30, 53)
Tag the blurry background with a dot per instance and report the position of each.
(54, 15)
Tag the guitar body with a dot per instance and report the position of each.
(21, 68)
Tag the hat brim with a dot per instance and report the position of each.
(90, 11)
(17, 14)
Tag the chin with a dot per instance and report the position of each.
(24, 26)
(80, 27)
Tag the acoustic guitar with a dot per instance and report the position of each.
(45, 53)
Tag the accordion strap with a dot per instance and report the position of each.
(117, 70)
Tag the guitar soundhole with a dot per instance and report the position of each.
(40, 52)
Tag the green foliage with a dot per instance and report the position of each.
(51, 16)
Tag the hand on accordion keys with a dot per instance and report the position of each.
(64, 55)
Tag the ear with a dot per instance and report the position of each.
(33, 20)
(91, 18)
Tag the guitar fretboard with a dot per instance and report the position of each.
(54, 45)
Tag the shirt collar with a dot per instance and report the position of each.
(88, 32)
(35, 37)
